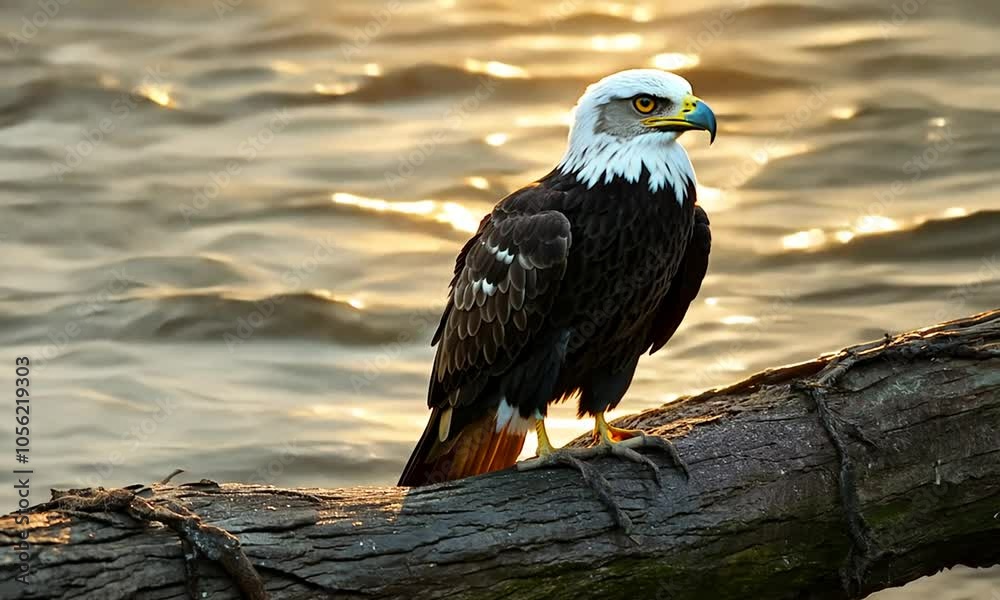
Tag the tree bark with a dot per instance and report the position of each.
(786, 500)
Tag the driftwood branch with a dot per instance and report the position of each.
(832, 478)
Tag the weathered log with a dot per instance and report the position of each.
(767, 512)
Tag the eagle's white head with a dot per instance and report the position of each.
(632, 120)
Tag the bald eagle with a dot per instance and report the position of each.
(569, 280)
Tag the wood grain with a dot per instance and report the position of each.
(761, 516)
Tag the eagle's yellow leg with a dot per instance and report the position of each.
(621, 442)
(610, 434)
(548, 456)
(614, 441)
(545, 447)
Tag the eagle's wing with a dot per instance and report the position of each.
(685, 284)
(507, 278)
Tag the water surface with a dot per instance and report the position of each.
(227, 234)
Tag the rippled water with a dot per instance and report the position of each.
(227, 229)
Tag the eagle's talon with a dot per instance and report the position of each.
(617, 449)
(662, 443)
(565, 457)
(618, 434)
(549, 456)
(639, 439)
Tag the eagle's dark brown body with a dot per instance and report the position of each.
(623, 261)
(558, 293)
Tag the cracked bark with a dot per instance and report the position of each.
(761, 516)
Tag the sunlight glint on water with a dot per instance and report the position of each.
(851, 192)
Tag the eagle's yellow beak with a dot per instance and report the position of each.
(692, 114)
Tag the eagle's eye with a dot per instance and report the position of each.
(644, 104)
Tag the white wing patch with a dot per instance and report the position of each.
(504, 256)
(509, 417)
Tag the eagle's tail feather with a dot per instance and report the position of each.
(478, 448)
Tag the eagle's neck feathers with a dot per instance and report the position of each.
(600, 157)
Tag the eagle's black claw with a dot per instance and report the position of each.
(662, 443)
(594, 480)
(643, 440)
(629, 454)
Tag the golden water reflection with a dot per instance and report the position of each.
(496, 69)
(865, 225)
(335, 89)
(158, 94)
(844, 113)
(451, 213)
(624, 42)
(480, 183)
(675, 61)
(497, 139)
